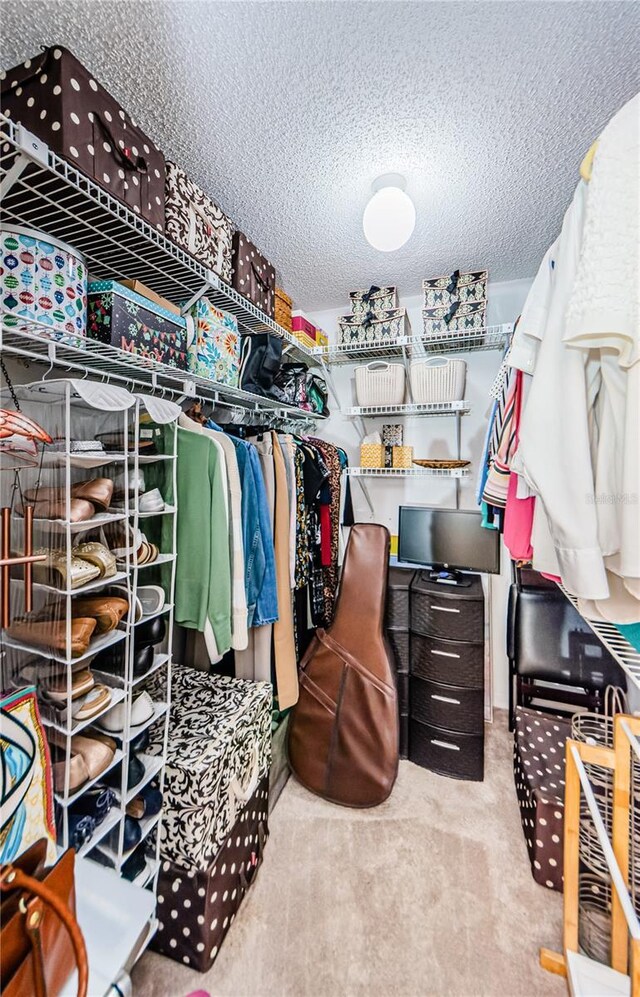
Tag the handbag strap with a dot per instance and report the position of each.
(11, 878)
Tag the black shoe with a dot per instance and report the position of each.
(134, 775)
(134, 864)
(150, 632)
(95, 803)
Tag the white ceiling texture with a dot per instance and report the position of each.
(287, 111)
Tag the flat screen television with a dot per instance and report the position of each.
(450, 540)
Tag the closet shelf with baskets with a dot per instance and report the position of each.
(409, 409)
(494, 337)
(428, 386)
(41, 190)
(407, 472)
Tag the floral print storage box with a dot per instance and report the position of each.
(215, 350)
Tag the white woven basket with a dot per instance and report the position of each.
(438, 379)
(380, 383)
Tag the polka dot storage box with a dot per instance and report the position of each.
(197, 907)
(216, 802)
(54, 96)
(538, 768)
(253, 276)
(44, 281)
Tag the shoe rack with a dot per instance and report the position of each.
(48, 644)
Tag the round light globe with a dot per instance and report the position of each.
(389, 219)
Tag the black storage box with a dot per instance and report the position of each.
(447, 661)
(447, 707)
(400, 642)
(459, 756)
(399, 582)
(122, 318)
(451, 612)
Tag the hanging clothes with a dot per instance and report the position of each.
(203, 576)
(239, 636)
(286, 666)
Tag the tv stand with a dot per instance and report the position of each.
(450, 578)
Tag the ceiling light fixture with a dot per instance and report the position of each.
(390, 216)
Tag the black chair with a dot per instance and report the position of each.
(553, 654)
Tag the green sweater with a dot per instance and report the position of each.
(203, 572)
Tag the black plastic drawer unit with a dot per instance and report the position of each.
(446, 690)
(459, 756)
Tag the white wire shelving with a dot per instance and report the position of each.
(627, 656)
(493, 337)
(408, 409)
(407, 472)
(30, 341)
(41, 190)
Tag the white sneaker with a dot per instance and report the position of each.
(151, 501)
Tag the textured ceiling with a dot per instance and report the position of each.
(287, 111)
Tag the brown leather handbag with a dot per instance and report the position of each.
(343, 732)
(41, 943)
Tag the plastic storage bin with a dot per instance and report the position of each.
(380, 383)
(438, 379)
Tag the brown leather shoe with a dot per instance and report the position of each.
(52, 634)
(54, 507)
(107, 610)
(99, 491)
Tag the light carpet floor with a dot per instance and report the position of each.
(428, 894)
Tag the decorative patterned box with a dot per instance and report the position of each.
(300, 323)
(441, 292)
(44, 281)
(393, 434)
(196, 223)
(215, 350)
(54, 96)
(303, 338)
(371, 455)
(402, 456)
(283, 309)
(321, 338)
(377, 300)
(370, 328)
(456, 318)
(219, 749)
(253, 275)
(197, 907)
(126, 320)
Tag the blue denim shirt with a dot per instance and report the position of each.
(267, 603)
(259, 558)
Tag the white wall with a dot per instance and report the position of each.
(434, 438)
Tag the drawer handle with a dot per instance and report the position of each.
(444, 654)
(445, 699)
(444, 744)
(444, 609)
